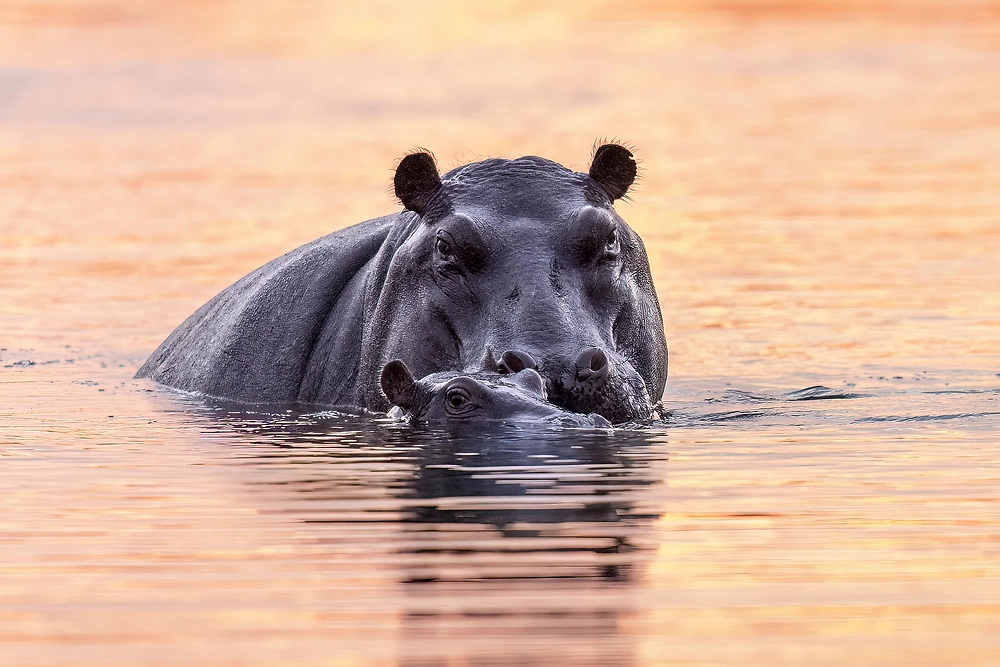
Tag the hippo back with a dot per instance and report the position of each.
(253, 341)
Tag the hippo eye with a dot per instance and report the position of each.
(442, 247)
(612, 242)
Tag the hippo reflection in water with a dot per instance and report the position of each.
(455, 397)
(500, 255)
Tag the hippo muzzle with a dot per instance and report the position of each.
(592, 382)
(597, 381)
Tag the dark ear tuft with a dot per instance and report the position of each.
(416, 180)
(398, 385)
(614, 169)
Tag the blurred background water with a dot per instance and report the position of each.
(820, 197)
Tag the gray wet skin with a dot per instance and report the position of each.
(455, 397)
(517, 255)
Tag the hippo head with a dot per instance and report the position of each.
(530, 257)
(452, 396)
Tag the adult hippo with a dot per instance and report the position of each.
(498, 264)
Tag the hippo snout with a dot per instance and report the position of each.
(515, 361)
(601, 383)
(592, 365)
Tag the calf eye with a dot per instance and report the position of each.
(458, 399)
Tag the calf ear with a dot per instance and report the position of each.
(398, 385)
(416, 181)
(614, 169)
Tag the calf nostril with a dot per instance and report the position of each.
(592, 362)
(515, 361)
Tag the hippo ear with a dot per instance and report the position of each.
(398, 385)
(614, 169)
(416, 181)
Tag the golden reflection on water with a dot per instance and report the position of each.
(819, 201)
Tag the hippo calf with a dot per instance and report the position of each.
(455, 397)
(519, 255)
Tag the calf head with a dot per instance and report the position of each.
(453, 396)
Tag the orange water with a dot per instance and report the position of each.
(821, 205)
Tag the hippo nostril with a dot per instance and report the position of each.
(592, 362)
(515, 361)
(598, 361)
